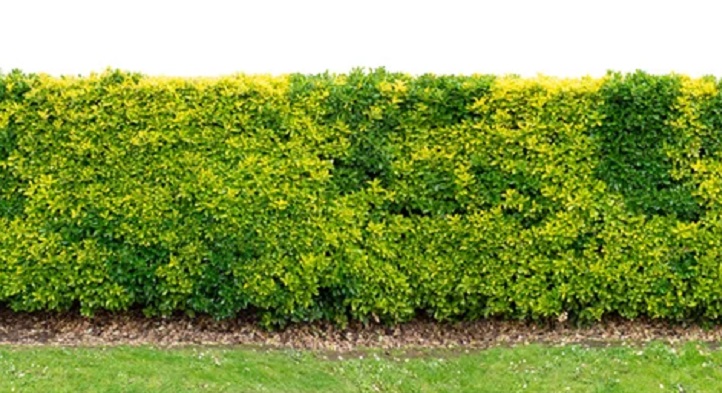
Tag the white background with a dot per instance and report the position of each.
(212, 37)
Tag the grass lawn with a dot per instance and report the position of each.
(535, 368)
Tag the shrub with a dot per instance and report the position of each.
(368, 195)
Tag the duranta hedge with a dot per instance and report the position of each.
(367, 195)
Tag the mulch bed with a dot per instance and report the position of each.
(132, 328)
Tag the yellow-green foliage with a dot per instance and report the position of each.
(364, 195)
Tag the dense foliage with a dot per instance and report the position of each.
(368, 195)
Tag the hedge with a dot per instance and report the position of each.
(363, 196)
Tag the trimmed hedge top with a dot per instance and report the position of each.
(365, 195)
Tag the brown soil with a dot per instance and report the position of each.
(132, 328)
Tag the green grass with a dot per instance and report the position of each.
(535, 368)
